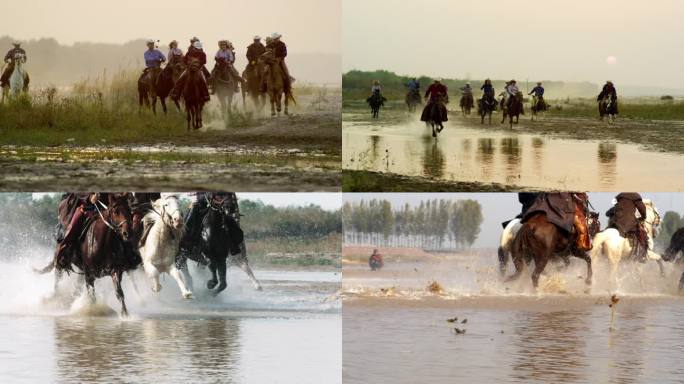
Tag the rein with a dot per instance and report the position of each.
(109, 223)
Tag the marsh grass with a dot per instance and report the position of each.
(296, 251)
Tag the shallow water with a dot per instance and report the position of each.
(469, 154)
(395, 329)
(289, 332)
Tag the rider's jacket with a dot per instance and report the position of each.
(225, 55)
(279, 49)
(9, 57)
(154, 58)
(608, 90)
(197, 54)
(488, 89)
(254, 51)
(376, 89)
(467, 90)
(175, 56)
(628, 204)
(435, 91)
(413, 85)
(538, 91)
(512, 89)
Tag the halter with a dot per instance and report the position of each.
(164, 214)
(113, 225)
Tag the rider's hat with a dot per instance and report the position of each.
(438, 79)
(512, 81)
(376, 82)
(197, 44)
(16, 43)
(194, 38)
(223, 42)
(257, 37)
(150, 41)
(539, 83)
(609, 82)
(276, 35)
(173, 42)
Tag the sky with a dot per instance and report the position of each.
(499, 207)
(306, 25)
(629, 42)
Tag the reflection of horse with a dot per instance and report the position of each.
(485, 107)
(538, 106)
(376, 100)
(225, 86)
(192, 94)
(165, 225)
(512, 108)
(18, 81)
(276, 83)
(613, 247)
(466, 104)
(413, 99)
(513, 227)
(253, 82)
(607, 106)
(674, 249)
(539, 239)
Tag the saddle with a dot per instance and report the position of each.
(559, 209)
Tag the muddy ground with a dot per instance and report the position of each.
(367, 181)
(301, 152)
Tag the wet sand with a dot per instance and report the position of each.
(542, 155)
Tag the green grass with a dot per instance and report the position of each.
(296, 251)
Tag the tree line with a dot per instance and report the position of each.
(435, 224)
(670, 222)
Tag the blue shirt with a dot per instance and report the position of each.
(153, 58)
(538, 91)
(413, 85)
(488, 89)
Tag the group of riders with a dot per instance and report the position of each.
(627, 215)
(79, 210)
(224, 62)
(437, 93)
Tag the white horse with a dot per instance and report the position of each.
(610, 245)
(506, 242)
(17, 78)
(166, 225)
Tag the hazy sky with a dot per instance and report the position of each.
(532, 39)
(306, 25)
(499, 207)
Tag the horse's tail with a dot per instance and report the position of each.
(45, 269)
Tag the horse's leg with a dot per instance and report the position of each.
(187, 277)
(188, 112)
(273, 103)
(244, 265)
(90, 286)
(199, 116)
(162, 100)
(539, 265)
(279, 102)
(681, 282)
(211, 283)
(154, 104)
(584, 256)
(221, 269)
(286, 101)
(175, 273)
(117, 277)
(519, 264)
(153, 273)
(503, 260)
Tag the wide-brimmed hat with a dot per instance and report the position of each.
(150, 41)
(17, 43)
(222, 42)
(172, 42)
(194, 38)
(257, 37)
(197, 44)
(276, 35)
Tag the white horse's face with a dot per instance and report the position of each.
(170, 208)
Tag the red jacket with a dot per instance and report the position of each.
(197, 54)
(436, 90)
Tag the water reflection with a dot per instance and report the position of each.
(550, 347)
(511, 151)
(538, 155)
(485, 155)
(433, 159)
(607, 157)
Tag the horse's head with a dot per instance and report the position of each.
(169, 209)
(194, 65)
(19, 58)
(120, 214)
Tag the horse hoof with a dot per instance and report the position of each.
(211, 284)
(259, 288)
(188, 295)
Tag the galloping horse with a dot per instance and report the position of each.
(276, 83)
(413, 99)
(674, 249)
(615, 248)
(375, 101)
(538, 106)
(432, 115)
(165, 225)
(607, 107)
(192, 94)
(215, 243)
(466, 104)
(18, 79)
(485, 108)
(539, 239)
(225, 86)
(254, 85)
(166, 81)
(515, 109)
(147, 89)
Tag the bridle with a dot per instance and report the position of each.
(111, 223)
(166, 216)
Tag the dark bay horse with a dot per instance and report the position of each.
(485, 109)
(192, 94)
(147, 89)
(254, 84)
(376, 101)
(166, 81)
(514, 109)
(413, 99)
(539, 240)
(607, 107)
(538, 106)
(433, 115)
(674, 249)
(466, 104)
(225, 87)
(215, 243)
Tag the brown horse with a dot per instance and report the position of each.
(514, 109)
(539, 240)
(538, 106)
(225, 86)
(466, 104)
(607, 107)
(166, 81)
(192, 94)
(276, 83)
(254, 85)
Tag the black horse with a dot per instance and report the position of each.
(435, 114)
(674, 249)
(376, 101)
(485, 107)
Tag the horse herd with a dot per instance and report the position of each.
(105, 247)
(540, 241)
(266, 78)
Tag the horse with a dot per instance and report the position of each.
(610, 245)
(485, 108)
(18, 81)
(215, 243)
(225, 86)
(254, 85)
(166, 81)
(513, 227)
(538, 106)
(276, 83)
(515, 109)
(607, 107)
(433, 115)
(192, 94)
(466, 104)
(165, 225)
(539, 239)
(413, 99)
(674, 249)
(147, 89)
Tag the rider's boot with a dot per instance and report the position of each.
(583, 241)
(143, 237)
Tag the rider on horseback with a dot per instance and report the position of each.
(623, 217)
(538, 92)
(254, 51)
(225, 58)
(609, 91)
(511, 91)
(80, 206)
(437, 93)
(280, 51)
(153, 60)
(198, 54)
(175, 54)
(413, 85)
(488, 92)
(467, 95)
(560, 209)
(10, 59)
(141, 204)
(193, 222)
